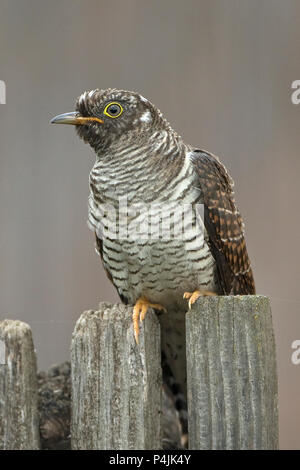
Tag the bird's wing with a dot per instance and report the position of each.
(224, 225)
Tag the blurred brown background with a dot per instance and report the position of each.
(221, 71)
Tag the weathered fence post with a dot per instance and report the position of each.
(231, 374)
(19, 420)
(116, 384)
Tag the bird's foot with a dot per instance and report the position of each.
(193, 296)
(139, 312)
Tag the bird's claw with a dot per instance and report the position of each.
(193, 296)
(139, 312)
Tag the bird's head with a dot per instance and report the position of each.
(105, 117)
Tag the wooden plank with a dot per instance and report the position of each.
(116, 384)
(231, 374)
(19, 419)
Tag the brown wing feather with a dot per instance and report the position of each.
(224, 225)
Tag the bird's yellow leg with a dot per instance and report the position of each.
(193, 296)
(139, 312)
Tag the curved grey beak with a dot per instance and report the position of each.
(74, 118)
(66, 118)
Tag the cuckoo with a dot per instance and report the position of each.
(145, 184)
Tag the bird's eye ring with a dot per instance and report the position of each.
(113, 110)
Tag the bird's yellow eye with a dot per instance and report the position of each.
(113, 110)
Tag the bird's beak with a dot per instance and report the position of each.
(74, 118)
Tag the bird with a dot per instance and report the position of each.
(143, 171)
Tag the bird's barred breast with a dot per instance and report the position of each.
(162, 264)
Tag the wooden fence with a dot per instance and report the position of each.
(117, 385)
